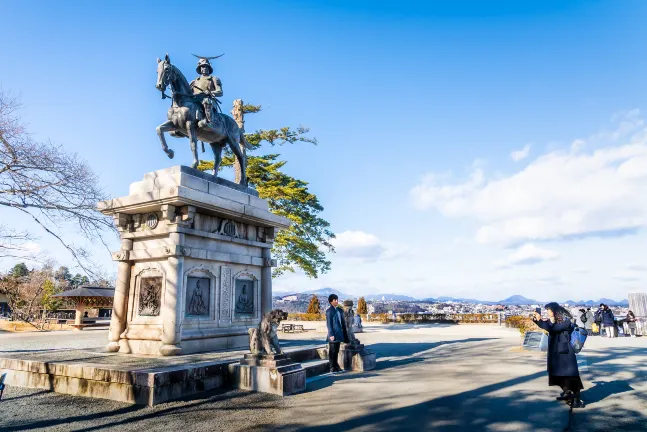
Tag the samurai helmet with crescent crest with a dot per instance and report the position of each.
(204, 61)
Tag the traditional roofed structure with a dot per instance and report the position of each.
(88, 296)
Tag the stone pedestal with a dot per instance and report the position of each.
(274, 373)
(356, 357)
(194, 267)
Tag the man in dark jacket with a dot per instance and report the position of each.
(336, 332)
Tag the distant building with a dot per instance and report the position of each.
(292, 297)
(4, 305)
(376, 308)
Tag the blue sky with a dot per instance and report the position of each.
(418, 108)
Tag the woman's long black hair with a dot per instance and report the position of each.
(561, 314)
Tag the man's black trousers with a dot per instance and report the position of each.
(333, 355)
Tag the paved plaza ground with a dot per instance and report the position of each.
(428, 378)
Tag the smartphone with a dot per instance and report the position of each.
(538, 310)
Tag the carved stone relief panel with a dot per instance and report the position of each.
(150, 296)
(244, 297)
(198, 297)
(225, 293)
(232, 228)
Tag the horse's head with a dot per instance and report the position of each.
(164, 73)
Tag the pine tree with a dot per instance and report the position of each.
(19, 270)
(305, 243)
(47, 301)
(314, 307)
(362, 309)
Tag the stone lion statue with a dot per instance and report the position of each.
(263, 338)
(349, 318)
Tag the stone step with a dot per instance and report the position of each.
(315, 367)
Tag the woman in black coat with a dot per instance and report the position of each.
(562, 364)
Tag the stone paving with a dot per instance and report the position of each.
(444, 378)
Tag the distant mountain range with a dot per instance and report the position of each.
(512, 300)
(606, 301)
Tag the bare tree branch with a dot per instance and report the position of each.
(51, 186)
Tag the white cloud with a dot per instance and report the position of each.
(358, 244)
(528, 254)
(562, 194)
(578, 145)
(366, 246)
(636, 267)
(32, 247)
(520, 154)
(627, 277)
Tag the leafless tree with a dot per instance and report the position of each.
(50, 187)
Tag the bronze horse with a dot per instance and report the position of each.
(183, 121)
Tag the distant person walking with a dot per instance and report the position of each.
(337, 332)
(631, 323)
(562, 364)
(598, 318)
(608, 321)
(588, 325)
(580, 318)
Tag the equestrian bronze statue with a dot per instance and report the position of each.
(194, 114)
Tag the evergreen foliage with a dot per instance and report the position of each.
(314, 307)
(47, 301)
(361, 306)
(19, 270)
(305, 243)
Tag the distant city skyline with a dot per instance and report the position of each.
(466, 149)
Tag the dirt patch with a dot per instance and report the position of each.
(21, 326)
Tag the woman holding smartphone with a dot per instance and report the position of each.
(562, 364)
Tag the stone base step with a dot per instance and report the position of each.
(316, 367)
(129, 379)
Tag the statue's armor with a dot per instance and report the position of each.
(207, 85)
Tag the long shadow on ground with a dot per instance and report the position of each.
(490, 407)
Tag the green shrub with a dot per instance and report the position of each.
(523, 323)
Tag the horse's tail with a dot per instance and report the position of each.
(246, 143)
(232, 127)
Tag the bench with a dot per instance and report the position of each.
(82, 326)
(287, 328)
(292, 328)
(2, 384)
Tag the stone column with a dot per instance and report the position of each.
(266, 281)
(239, 116)
(638, 304)
(120, 302)
(171, 315)
(78, 318)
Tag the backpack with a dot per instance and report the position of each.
(583, 317)
(578, 337)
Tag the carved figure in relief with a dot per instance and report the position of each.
(149, 298)
(244, 303)
(263, 338)
(197, 305)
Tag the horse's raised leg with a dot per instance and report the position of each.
(240, 157)
(217, 157)
(167, 126)
(192, 132)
